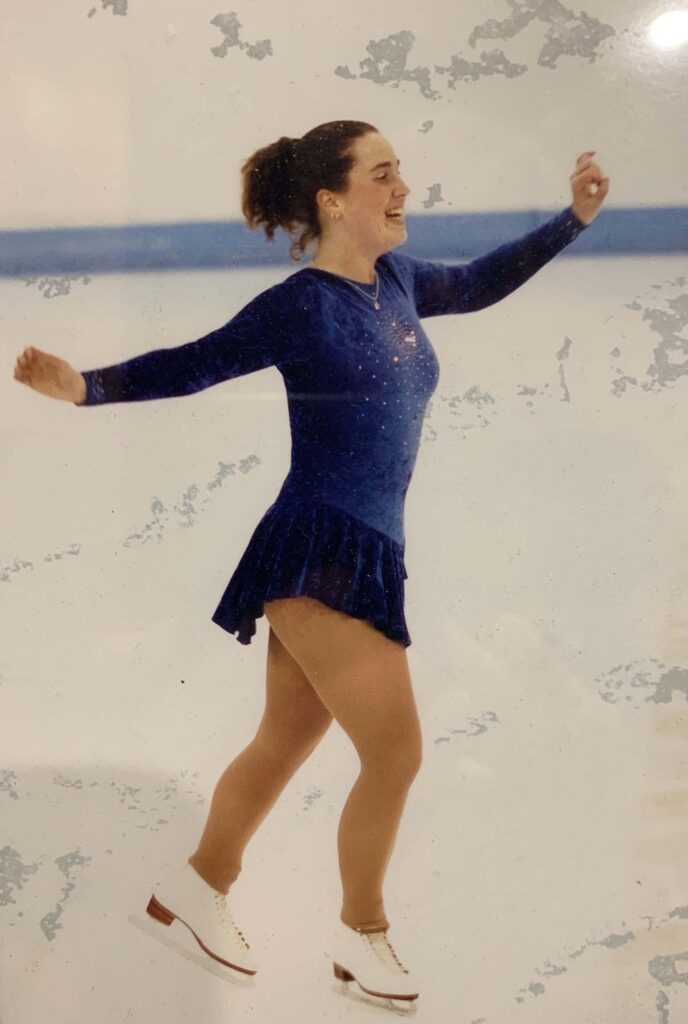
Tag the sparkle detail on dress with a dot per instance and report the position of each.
(95, 392)
(358, 385)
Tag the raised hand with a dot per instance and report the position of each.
(588, 186)
(50, 376)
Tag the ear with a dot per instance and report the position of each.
(328, 204)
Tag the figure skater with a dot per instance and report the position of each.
(325, 564)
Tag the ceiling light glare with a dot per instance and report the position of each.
(670, 29)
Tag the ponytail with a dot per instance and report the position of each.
(280, 181)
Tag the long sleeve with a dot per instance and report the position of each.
(264, 333)
(464, 288)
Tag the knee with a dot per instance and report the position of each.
(412, 759)
(397, 759)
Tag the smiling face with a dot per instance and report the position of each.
(362, 212)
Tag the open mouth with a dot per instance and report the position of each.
(395, 216)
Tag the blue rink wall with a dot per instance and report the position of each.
(212, 244)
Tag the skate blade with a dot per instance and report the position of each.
(404, 1008)
(178, 938)
(351, 990)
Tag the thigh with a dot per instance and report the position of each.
(361, 676)
(294, 717)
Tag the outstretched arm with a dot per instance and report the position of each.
(257, 337)
(465, 288)
(251, 340)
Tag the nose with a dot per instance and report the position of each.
(402, 187)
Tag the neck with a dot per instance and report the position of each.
(337, 258)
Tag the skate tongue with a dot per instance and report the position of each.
(385, 951)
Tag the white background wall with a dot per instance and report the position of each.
(118, 119)
(540, 869)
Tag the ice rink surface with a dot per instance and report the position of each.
(539, 874)
(539, 870)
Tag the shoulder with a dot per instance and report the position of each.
(292, 310)
(401, 268)
(400, 265)
(297, 292)
(280, 303)
(300, 287)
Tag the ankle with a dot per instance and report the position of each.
(221, 885)
(366, 926)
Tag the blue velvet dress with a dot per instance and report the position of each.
(358, 381)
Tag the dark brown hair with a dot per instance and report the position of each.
(280, 181)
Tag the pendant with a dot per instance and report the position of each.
(377, 305)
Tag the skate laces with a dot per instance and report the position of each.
(383, 949)
(227, 917)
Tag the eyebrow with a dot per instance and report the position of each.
(387, 163)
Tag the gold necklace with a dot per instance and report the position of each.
(373, 298)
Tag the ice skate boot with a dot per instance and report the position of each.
(188, 898)
(371, 961)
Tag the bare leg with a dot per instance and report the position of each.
(362, 677)
(293, 723)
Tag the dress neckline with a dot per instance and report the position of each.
(341, 277)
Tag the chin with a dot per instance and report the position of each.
(399, 237)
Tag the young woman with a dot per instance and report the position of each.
(325, 563)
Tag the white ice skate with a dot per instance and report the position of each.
(188, 898)
(371, 961)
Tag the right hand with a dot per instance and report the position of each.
(50, 376)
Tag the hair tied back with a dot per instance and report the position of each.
(280, 181)
(294, 148)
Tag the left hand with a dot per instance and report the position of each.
(587, 199)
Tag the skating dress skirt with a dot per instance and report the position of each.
(358, 378)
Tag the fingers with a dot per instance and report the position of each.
(584, 160)
(27, 355)
(585, 163)
(588, 184)
(26, 363)
(587, 172)
(24, 360)
(591, 180)
(22, 365)
(582, 164)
